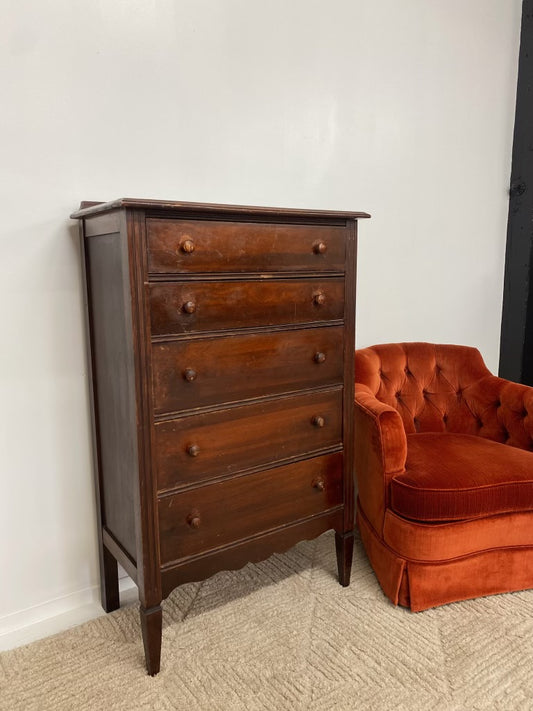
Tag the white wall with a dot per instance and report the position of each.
(403, 108)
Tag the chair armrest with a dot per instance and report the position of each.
(380, 448)
(504, 411)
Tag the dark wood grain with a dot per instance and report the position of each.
(344, 536)
(241, 246)
(110, 595)
(152, 626)
(148, 571)
(118, 552)
(104, 224)
(173, 207)
(235, 439)
(109, 589)
(218, 514)
(222, 348)
(349, 379)
(344, 551)
(244, 366)
(109, 302)
(189, 307)
(250, 550)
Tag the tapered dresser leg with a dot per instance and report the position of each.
(344, 550)
(109, 581)
(152, 625)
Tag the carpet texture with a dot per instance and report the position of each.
(284, 635)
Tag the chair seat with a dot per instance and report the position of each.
(451, 477)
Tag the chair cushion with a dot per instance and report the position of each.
(451, 477)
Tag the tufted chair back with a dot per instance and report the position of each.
(445, 388)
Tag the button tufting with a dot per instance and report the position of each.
(445, 418)
(398, 394)
(524, 412)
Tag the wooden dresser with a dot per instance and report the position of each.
(222, 342)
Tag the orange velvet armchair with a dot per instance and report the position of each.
(444, 465)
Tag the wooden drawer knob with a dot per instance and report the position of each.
(189, 374)
(193, 450)
(318, 421)
(189, 307)
(319, 484)
(194, 520)
(187, 246)
(319, 357)
(320, 247)
(319, 298)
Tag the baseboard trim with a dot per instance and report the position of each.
(57, 615)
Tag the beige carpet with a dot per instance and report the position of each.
(285, 635)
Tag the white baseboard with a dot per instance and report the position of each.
(57, 615)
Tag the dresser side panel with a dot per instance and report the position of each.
(114, 383)
(349, 377)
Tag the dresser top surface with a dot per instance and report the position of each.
(87, 209)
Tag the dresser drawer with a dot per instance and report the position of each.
(181, 246)
(210, 516)
(200, 447)
(201, 372)
(186, 307)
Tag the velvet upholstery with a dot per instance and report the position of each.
(445, 473)
(453, 477)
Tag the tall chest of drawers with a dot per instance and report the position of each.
(221, 355)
